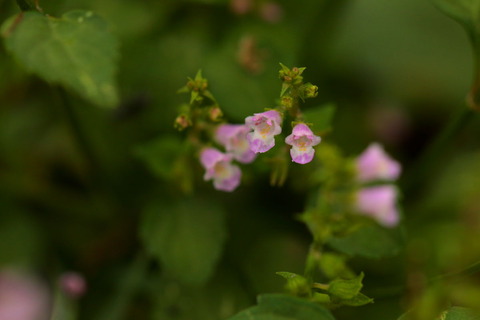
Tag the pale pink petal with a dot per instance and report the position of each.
(218, 167)
(302, 156)
(234, 138)
(379, 202)
(302, 140)
(375, 164)
(265, 126)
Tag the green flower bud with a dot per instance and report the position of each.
(311, 91)
(287, 101)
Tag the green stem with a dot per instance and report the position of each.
(25, 5)
(321, 286)
(435, 149)
(398, 290)
(312, 261)
(78, 132)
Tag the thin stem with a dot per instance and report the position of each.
(434, 150)
(78, 132)
(321, 286)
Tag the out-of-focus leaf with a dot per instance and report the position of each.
(459, 313)
(160, 155)
(320, 117)
(21, 241)
(167, 158)
(76, 51)
(466, 12)
(296, 284)
(346, 289)
(283, 307)
(257, 46)
(334, 265)
(370, 241)
(186, 237)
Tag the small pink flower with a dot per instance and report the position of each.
(23, 297)
(302, 141)
(234, 138)
(73, 284)
(375, 164)
(226, 177)
(379, 202)
(265, 126)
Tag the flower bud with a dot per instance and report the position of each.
(215, 113)
(73, 284)
(287, 101)
(182, 122)
(310, 90)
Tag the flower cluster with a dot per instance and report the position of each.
(378, 201)
(218, 165)
(241, 142)
(267, 125)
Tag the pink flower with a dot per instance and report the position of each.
(22, 297)
(375, 164)
(379, 203)
(265, 126)
(226, 177)
(73, 284)
(302, 141)
(234, 138)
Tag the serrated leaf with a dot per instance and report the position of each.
(320, 117)
(187, 237)
(76, 51)
(369, 241)
(283, 307)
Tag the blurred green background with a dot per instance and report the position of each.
(76, 195)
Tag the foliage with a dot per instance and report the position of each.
(245, 194)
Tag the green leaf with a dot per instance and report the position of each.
(334, 265)
(346, 289)
(187, 237)
(459, 313)
(76, 51)
(296, 284)
(320, 117)
(359, 300)
(283, 307)
(467, 13)
(168, 159)
(464, 11)
(370, 241)
(25, 5)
